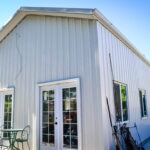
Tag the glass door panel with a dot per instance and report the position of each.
(70, 134)
(48, 119)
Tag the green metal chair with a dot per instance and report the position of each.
(25, 133)
(2, 139)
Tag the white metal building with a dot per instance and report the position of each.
(55, 75)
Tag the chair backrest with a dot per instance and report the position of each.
(26, 132)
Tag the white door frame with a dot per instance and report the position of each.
(75, 81)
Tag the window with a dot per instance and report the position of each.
(120, 100)
(142, 94)
(7, 113)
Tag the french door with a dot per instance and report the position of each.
(59, 123)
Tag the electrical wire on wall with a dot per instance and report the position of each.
(19, 53)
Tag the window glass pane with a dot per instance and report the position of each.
(66, 105)
(74, 129)
(66, 116)
(8, 125)
(141, 103)
(9, 117)
(45, 95)
(51, 128)
(51, 106)
(45, 117)
(51, 95)
(67, 141)
(67, 129)
(142, 95)
(51, 140)
(51, 117)
(6, 98)
(144, 103)
(72, 92)
(45, 106)
(66, 93)
(73, 104)
(10, 107)
(45, 128)
(124, 102)
(117, 102)
(45, 138)
(74, 142)
(73, 116)
(6, 107)
(5, 117)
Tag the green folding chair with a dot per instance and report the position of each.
(25, 133)
(2, 139)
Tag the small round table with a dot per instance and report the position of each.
(12, 137)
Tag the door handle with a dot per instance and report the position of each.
(56, 123)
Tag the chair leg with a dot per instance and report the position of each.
(28, 145)
(18, 144)
(22, 146)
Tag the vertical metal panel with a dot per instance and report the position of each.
(53, 48)
(128, 69)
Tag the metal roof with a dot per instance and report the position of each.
(68, 12)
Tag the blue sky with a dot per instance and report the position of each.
(131, 17)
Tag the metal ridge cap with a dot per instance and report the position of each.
(87, 11)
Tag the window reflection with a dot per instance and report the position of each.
(124, 102)
(70, 137)
(142, 94)
(120, 99)
(48, 118)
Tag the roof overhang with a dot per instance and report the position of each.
(68, 12)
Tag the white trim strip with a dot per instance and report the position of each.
(58, 82)
(6, 89)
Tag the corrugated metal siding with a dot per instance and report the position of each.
(128, 69)
(53, 48)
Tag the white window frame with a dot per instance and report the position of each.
(8, 91)
(145, 116)
(122, 121)
(74, 81)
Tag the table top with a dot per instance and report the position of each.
(11, 130)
